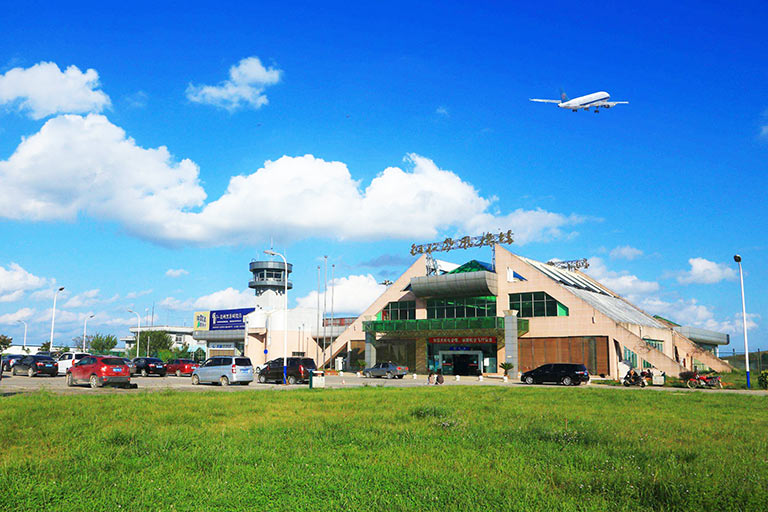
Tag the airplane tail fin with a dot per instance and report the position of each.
(563, 96)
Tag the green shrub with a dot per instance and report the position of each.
(762, 379)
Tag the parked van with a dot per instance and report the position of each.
(225, 370)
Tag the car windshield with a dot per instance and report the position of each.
(242, 361)
(113, 361)
(308, 363)
(42, 358)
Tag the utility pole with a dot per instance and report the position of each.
(325, 305)
(330, 355)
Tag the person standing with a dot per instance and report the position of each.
(440, 379)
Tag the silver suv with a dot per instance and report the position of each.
(225, 370)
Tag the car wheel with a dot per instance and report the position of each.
(224, 381)
(178, 373)
(70, 380)
(567, 381)
(94, 382)
(529, 380)
(367, 375)
(719, 385)
(30, 373)
(13, 371)
(691, 383)
(291, 380)
(195, 380)
(389, 375)
(262, 378)
(144, 372)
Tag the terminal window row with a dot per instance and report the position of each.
(533, 304)
(464, 307)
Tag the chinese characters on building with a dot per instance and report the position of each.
(467, 242)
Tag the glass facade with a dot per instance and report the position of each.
(630, 358)
(458, 359)
(403, 310)
(401, 352)
(534, 304)
(465, 307)
(657, 344)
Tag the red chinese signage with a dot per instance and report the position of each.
(464, 340)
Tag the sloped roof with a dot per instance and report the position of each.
(595, 295)
(615, 308)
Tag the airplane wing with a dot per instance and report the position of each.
(545, 101)
(605, 104)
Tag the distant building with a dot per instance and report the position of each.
(179, 336)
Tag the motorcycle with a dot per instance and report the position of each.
(704, 381)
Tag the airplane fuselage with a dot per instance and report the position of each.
(585, 101)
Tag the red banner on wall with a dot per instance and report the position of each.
(464, 340)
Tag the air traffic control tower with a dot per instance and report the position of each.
(270, 276)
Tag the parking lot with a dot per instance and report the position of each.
(21, 384)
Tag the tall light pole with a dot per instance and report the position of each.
(737, 259)
(25, 332)
(325, 305)
(285, 318)
(85, 322)
(138, 330)
(53, 318)
(333, 288)
(317, 332)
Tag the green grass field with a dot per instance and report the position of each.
(448, 448)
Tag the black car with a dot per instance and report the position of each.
(298, 370)
(10, 360)
(149, 365)
(36, 365)
(567, 374)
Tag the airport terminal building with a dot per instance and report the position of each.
(471, 318)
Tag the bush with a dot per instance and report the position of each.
(762, 379)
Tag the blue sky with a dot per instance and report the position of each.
(659, 193)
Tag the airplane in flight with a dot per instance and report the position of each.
(597, 100)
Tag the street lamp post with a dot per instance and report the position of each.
(25, 332)
(85, 322)
(138, 330)
(737, 259)
(285, 319)
(53, 318)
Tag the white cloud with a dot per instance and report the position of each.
(77, 165)
(622, 283)
(703, 271)
(626, 252)
(245, 87)
(15, 281)
(764, 131)
(86, 164)
(228, 298)
(87, 298)
(442, 111)
(690, 312)
(12, 318)
(43, 90)
(176, 272)
(351, 295)
(135, 295)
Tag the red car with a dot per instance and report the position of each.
(98, 371)
(181, 366)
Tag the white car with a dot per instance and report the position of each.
(67, 358)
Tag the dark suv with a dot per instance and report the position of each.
(148, 365)
(297, 371)
(567, 374)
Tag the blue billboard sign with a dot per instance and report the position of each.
(228, 319)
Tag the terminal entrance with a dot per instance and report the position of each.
(468, 362)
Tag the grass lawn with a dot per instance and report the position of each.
(449, 448)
